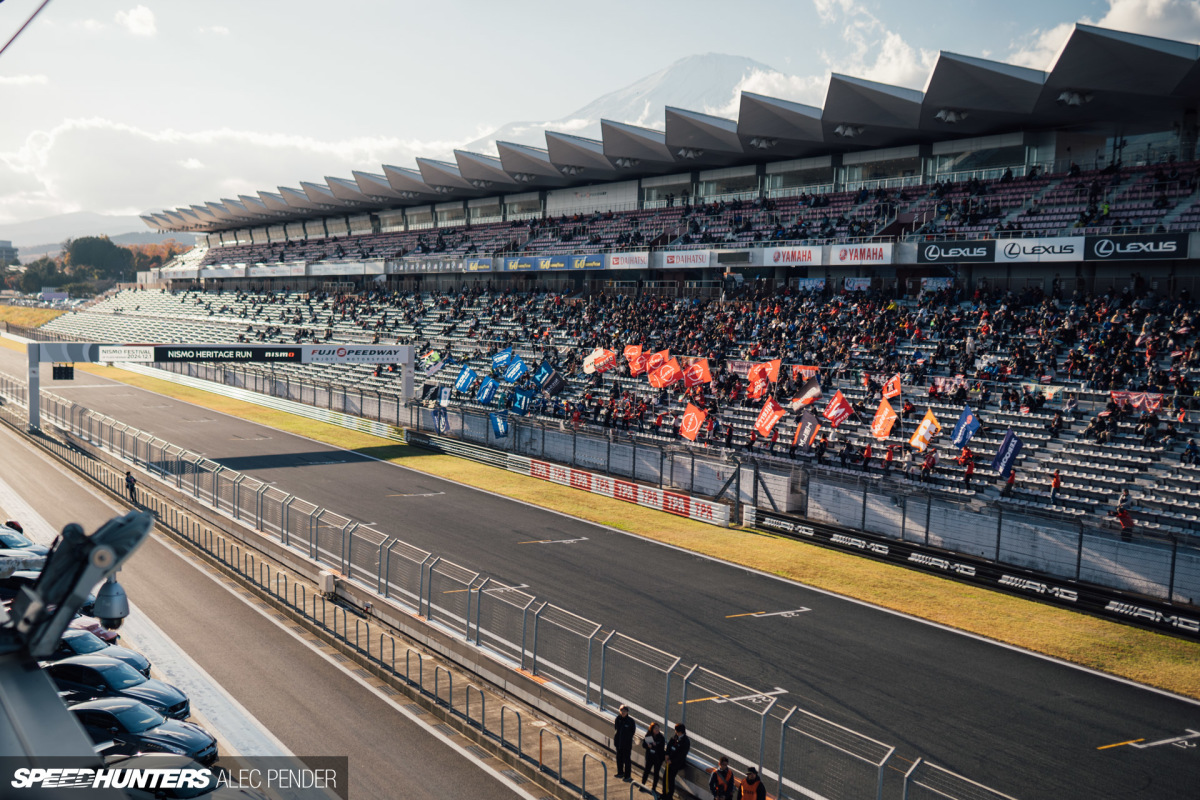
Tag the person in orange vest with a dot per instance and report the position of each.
(866, 457)
(1055, 483)
(722, 783)
(888, 456)
(1009, 483)
(752, 787)
(968, 472)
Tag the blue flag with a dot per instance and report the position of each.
(965, 428)
(487, 390)
(499, 424)
(542, 372)
(501, 359)
(1006, 456)
(441, 422)
(521, 400)
(516, 368)
(465, 378)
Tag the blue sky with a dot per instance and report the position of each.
(122, 107)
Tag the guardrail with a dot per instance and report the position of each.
(559, 645)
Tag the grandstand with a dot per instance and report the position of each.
(1014, 236)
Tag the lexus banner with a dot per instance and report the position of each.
(970, 252)
(1059, 248)
(1152, 246)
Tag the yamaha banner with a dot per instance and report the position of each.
(977, 252)
(441, 422)
(1151, 246)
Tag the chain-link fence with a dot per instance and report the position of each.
(925, 781)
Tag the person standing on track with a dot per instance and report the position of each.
(625, 728)
(677, 753)
(655, 745)
(131, 486)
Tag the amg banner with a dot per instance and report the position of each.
(978, 252)
(1097, 600)
(1151, 246)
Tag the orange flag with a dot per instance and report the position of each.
(665, 375)
(637, 365)
(693, 418)
(838, 410)
(632, 351)
(892, 387)
(657, 360)
(885, 418)
(771, 413)
(767, 369)
(697, 373)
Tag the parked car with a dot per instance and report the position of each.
(93, 625)
(28, 577)
(164, 761)
(77, 642)
(12, 539)
(91, 677)
(131, 727)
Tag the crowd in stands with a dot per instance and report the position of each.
(1045, 365)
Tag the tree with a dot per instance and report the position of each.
(97, 257)
(43, 272)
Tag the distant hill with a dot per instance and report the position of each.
(36, 232)
(34, 252)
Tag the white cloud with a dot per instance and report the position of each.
(139, 21)
(23, 80)
(876, 53)
(56, 171)
(1169, 19)
(216, 30)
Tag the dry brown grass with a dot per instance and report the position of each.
(28, 317)
(1154, 659)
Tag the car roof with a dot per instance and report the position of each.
(154, 761)
(113, 704)
(91, 660)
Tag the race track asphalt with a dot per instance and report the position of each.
(1019, 723)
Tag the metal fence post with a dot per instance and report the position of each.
(684, 703)
(536, 615)
(667, 693)
(762, 732)
(429, 587)
(479, 606)
(782, 748)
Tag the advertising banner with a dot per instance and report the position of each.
(810, 284)
(787, 256)
(850, 254)
(687, 258)
(1061, 248)
(1153, 246)
(477, 265)
(275, 271)
(144, 355)
(979, 252)
(629, 260)
(858, 284)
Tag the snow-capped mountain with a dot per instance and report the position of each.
(698, 83)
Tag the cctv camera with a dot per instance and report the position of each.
(112, 606)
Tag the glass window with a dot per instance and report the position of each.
(84, 642)
(139, 718)
(121, 676)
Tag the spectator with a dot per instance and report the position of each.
(131, 486)
(677, 753)
(624, 729)
(654, 745)
(1188, 456)
(866, 457)
(968, 472)
(1009, 483)
(1055, 483)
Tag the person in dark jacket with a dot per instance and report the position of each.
(753, 787)
(655, 746)
(677, 753)
(624, 729)
(723, 782)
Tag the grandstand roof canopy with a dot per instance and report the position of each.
(1102, 82)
